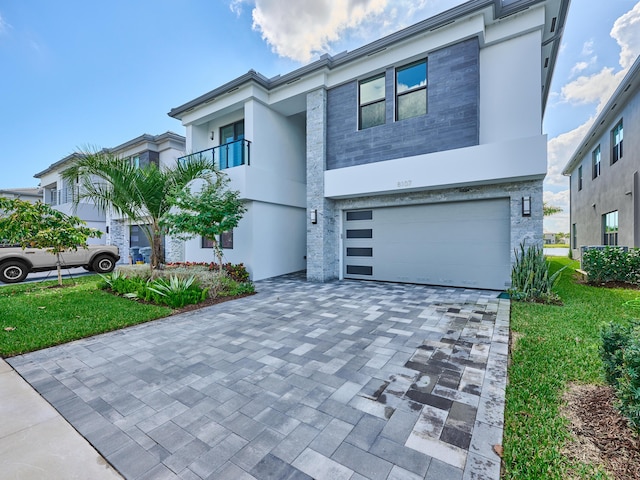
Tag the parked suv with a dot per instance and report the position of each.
(16, 262)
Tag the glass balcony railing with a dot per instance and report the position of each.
(229, 155)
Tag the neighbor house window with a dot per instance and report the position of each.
(574, 236)
(595, 158)
(231, 151)
(411, 90)
(226, 240)
(206, 242)
(616, 141)
(372, 102)
(135, 161)
(580, 178)
(610, 227)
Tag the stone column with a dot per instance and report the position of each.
(322, 237)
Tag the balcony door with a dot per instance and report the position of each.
(231, 141)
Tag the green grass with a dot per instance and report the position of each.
(38, 315)
(556, 245)
(554, 346)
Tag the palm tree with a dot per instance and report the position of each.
(141, 194)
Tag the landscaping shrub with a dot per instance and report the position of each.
(620, 351)
(237, 271)
(612, 264)
(530, 278)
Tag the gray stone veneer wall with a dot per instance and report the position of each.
(322, 237)
(452, 119)
(119, 233)
(173, 249)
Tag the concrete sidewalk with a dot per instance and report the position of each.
(36, 442)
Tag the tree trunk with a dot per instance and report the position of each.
(157, 257)
(59, 268)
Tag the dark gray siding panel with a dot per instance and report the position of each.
(452, 119)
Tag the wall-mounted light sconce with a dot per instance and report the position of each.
(526, 206)
(313, 215)
(212, 134)
(594, 205)
(628, 193)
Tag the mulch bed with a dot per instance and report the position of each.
(601, 434)
(209, 302)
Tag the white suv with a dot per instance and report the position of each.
(16, 262)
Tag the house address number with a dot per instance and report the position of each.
(404, 183)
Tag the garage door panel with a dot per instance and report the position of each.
(458, 244)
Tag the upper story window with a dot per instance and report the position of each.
(595, 159)
(610, 228)
(135, 161)
(233, 154)
(616, 141)
(372, 102)
(580, 178)
(411, 90)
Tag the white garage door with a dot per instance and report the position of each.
(465, 244)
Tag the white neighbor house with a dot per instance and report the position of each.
(162, 150)
(417, 158)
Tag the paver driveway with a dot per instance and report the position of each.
(345, 380)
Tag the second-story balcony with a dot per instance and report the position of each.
(55, 197)
(225, 156)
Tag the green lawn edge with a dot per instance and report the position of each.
(552, 347)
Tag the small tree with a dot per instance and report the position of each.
(548, 210)
(37, 225)
(210, 212)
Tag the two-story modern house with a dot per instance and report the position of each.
(604, 183)
(416, 158)
(162, 150)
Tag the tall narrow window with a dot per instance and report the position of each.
(411, 90)
(574, 236)
(232, 145)
(580, 178)
(610, 228)
(616, 141)
(372, 104)
(595, 158)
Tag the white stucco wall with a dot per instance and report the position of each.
(510, 94)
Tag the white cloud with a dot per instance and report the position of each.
(596, 88)
(559, 150)
(300, 29)
(558, 223)
(579, 67)
(4, 26)
(587, 48)
(626, 31)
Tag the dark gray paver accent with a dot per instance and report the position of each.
(354, 380)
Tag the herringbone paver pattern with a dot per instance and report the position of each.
(345, 380)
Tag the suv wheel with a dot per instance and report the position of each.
(13, 271)
(103, 264)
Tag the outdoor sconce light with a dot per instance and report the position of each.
(212, 134)
(313, 215)
(526, 206)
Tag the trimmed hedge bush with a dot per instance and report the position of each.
(612, 264)
(620, 353)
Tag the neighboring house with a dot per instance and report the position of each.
(162, 150)
(550, 238)
(417, 158)
(60, 194)
(604, 183)
(27, 194)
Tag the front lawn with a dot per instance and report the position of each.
(552, 347)
(39, 315)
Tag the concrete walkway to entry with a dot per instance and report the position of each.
(345, 380)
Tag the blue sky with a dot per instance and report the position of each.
(76, 73)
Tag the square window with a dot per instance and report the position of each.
(226, 240)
